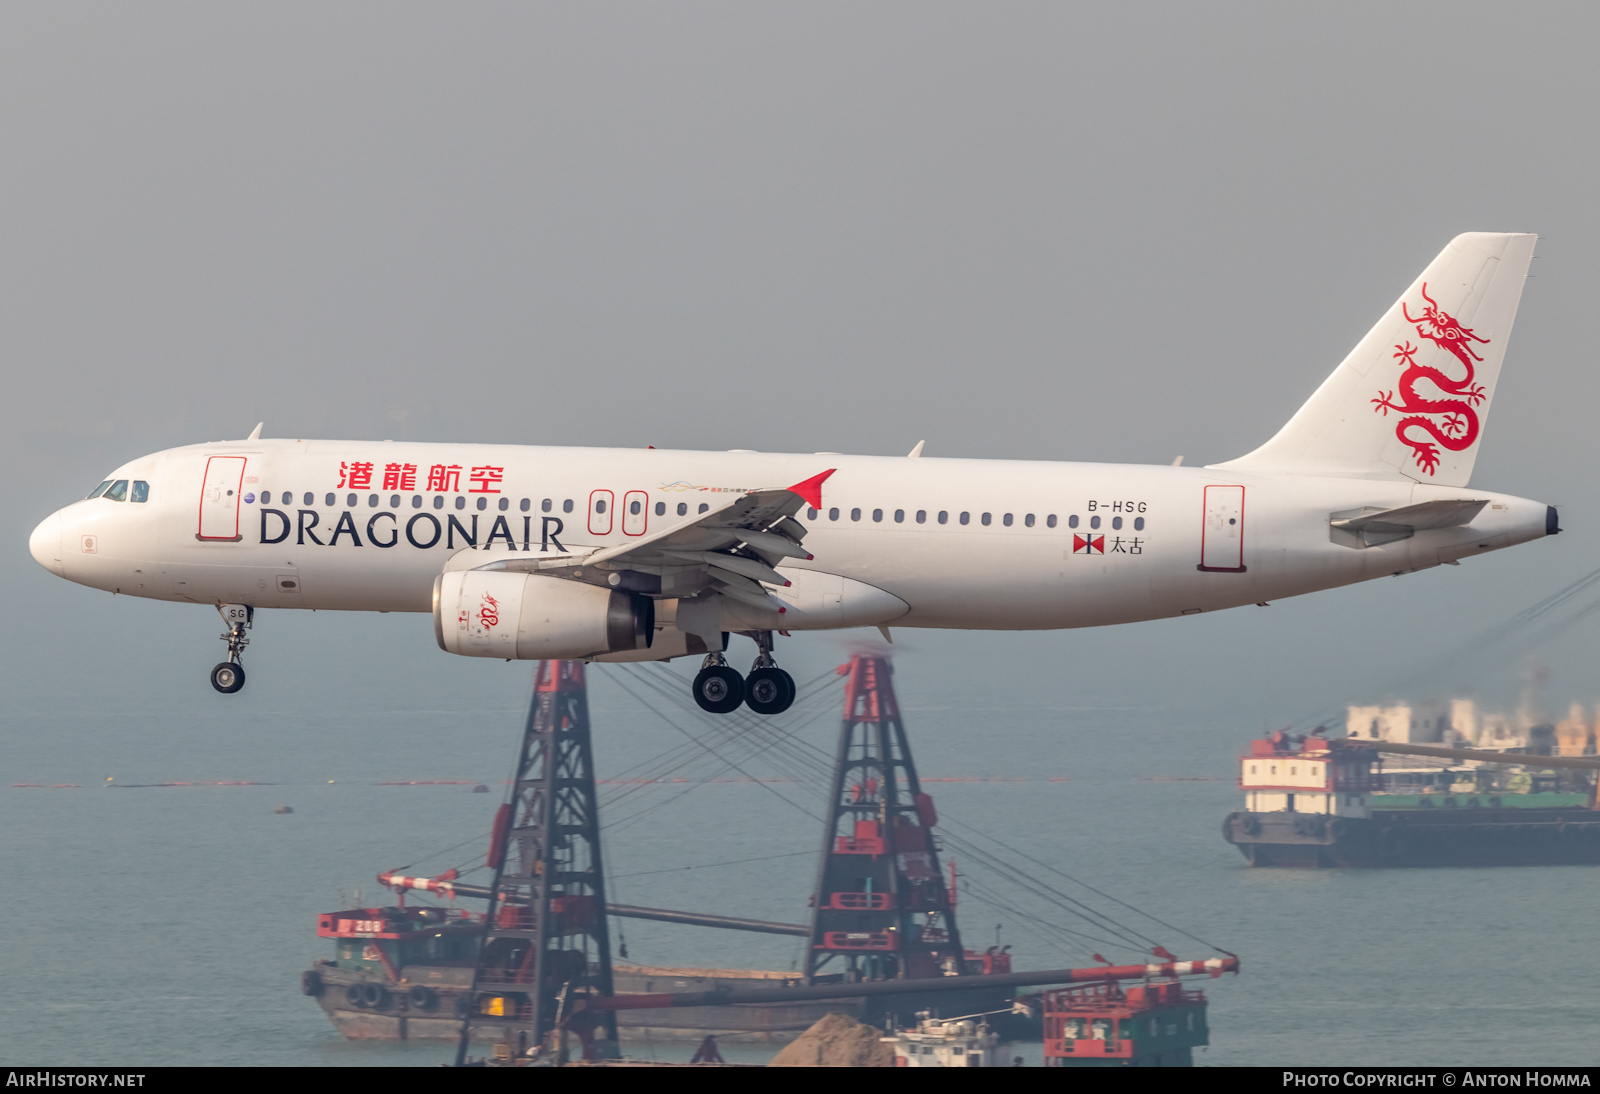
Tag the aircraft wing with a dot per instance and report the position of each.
(733, 548)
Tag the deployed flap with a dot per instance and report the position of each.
(1370, 527)
(1411, 399)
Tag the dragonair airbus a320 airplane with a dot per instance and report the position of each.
(631, 555)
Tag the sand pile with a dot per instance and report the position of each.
(836, 1041)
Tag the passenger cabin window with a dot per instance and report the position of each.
(1138, 524)
(811, 514)
(525, 504)
(966, 518)
(266, 497)
(483, 503)
(661, 508)
(1116, 522)
(1072, 521)
(461, 502)
(97, 491)
(899, 516)
(944, 517)
(1027, 521)
(1094, 522)
(504, 504)
(704, 508)
(833, 514)
(877, 515)
(544, 506)
(1050, 521)
(985, 520)
(855, 514)
(350, 500)
(331, 500)
(922, 516)
(566, 506)
(438, 501)
(372, 501)
(416, 501)
(683, 508)
(140, 491)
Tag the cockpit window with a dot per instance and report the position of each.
(101, 489)
(118, 491)
(141, 491)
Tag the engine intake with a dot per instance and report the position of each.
(491, 613)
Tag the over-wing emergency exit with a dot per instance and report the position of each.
(627, 555)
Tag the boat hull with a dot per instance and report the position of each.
(396, 1017)
(1419, 837)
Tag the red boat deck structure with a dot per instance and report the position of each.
(1157, 1023)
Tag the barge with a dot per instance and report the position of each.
(405, 973)
(1315, 802)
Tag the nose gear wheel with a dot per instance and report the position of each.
(228, 677)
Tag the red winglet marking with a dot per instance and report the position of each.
(811, 489)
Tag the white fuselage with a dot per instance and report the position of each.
(924, 542)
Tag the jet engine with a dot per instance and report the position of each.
(492, 613)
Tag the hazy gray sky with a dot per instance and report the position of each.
(1096, 232)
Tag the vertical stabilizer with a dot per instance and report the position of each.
(1411, 400)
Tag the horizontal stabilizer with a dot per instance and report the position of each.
(1370, 527)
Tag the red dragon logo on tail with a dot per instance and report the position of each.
(1452, 422)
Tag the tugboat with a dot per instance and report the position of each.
(399, 973)
(1311, 802)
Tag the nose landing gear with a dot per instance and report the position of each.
(228, 676)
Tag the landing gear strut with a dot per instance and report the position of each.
(768, 689)
(228, 676)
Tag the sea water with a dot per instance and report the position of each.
(149, 925)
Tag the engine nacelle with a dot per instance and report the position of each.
(492, 613)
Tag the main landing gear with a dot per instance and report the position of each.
(228, 676)
(767, 690)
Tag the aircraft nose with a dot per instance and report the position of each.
(45, 543)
